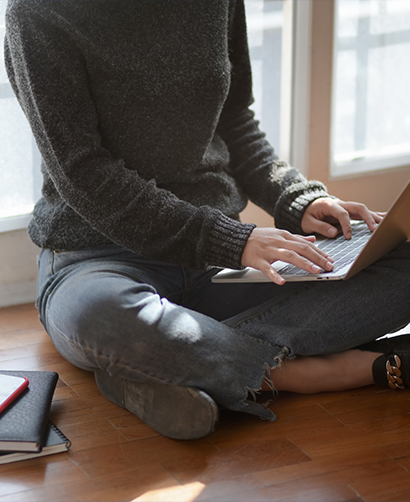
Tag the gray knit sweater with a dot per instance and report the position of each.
(140, 111)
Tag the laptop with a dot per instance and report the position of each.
(350, 256)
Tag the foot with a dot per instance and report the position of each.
(392, 367)
(173, 411)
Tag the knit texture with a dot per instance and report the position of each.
(140, 109)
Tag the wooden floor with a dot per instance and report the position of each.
(347, 446)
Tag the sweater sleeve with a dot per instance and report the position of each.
(269, 182)
(49, 77)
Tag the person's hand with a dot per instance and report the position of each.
(267, 245)
(322, 214)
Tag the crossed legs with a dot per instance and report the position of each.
(103, 313)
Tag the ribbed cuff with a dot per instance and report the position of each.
(226, 243)
(292, 205)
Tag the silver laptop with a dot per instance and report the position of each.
(350, 256)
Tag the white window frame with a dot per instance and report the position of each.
(18, 221)
(15, 223)
(361, 164)
(295, 113)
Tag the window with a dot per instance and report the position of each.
(371, 98)
(265, 25)
(19, 161)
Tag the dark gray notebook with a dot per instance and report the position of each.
(23, 424)
(55, 442)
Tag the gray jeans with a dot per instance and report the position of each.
(149, 321)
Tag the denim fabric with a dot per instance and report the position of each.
(149, 321)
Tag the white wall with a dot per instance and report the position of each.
(18, 268)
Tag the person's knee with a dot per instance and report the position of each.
(105, 310)
(92, 317)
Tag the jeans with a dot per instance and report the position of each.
(150, 321)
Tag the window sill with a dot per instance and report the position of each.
(14, 223)
(368, 165)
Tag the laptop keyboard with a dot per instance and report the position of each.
(342, 251)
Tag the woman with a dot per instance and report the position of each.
(141, 113)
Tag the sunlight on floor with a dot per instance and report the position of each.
(187, 493)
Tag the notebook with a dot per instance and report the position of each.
(55, 442)
(23, 424)
(350, 256)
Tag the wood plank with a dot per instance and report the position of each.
(345, 446)
(236, 461)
